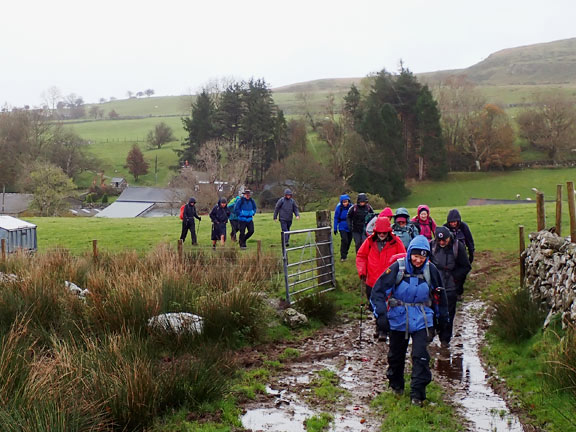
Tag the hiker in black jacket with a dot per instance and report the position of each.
(188, 222)
(449, 256)
(219, 215)
(286, 208)
(356, 219)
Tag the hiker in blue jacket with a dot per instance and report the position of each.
(245, 210)
(286, 208)
(340, 224)
(408, 298)
(233, 218)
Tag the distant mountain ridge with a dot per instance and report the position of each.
(538, 64)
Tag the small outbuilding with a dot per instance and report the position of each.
(18, 234)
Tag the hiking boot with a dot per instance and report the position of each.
(243, 248)
(417, 402)
(382, 336)
(343, 260)
(445, 344)
(397, 391)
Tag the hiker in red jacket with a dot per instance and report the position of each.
(377, 252)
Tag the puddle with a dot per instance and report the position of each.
(462, 367)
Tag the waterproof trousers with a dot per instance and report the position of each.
(189, 226)
(345, 240)
(233, 228)
(421, 375)
(246, 230)
(285, 226)
(359, 238)
(445, 333)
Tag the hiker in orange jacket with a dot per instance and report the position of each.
(377, 252)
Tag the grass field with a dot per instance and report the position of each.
(494, 228)
(459, 187)
(125, 130)
(154, 106)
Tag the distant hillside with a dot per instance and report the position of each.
(333, 85)
(540, 64)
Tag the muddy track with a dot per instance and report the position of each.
(360, 363)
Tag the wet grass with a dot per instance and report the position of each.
(400, 415)
(319, 423)
(325, 387)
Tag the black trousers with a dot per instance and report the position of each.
(359, 238)
(189, 226)
(233, 228)
(421, 375)
(246, 230)
(285, 226)
(345, 240)
(445, 334)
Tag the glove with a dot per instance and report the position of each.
(431, 334)
(471, 258)
(335, 232)
(199, 218)
(363, 278)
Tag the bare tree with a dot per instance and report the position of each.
(51, 97)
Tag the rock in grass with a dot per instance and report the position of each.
(293, 319)
(177, 323)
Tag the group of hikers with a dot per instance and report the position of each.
(414, 272)
(240, 213)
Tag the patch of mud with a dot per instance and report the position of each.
(360, 365)
(460, 369)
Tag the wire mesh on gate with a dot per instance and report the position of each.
(308, 263)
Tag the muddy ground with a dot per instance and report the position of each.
(350, 350)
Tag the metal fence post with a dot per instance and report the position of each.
(323, 236)
(285, 264)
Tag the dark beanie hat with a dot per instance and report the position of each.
(442, 233)
(416, 251)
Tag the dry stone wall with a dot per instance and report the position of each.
(551, 273)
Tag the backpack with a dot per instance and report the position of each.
(182, 212)
(402, 272)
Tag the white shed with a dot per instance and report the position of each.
(18, 234)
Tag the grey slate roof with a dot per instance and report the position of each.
(125, 209)
(14, 203)
(148, 195)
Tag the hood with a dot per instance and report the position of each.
(222, 200)
(418, 242)
(287, 192)
(382, 225)
(401, 211)
(345, 197)
(422, 207)
(454, 215)
(192, 200)
(362, 197)
(386, 212)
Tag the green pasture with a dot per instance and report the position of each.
(494, 227)
(459, 187)
(147, 106)
(518, 94)
(125, 130)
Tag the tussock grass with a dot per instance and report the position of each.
(92, 364)
(517, 317)
(561, 366)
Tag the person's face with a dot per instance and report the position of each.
(382, 235)
(401, 223)
(417, 260)
(424, 215)
(444, 242)
(345, 203)
(247, 195)
(362, 203)
(453, 224)
(288, 196)
(222, 204)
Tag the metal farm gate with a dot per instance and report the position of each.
(309, 263)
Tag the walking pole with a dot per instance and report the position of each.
(198, 229)
(361, 307)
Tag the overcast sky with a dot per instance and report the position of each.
(105, 48)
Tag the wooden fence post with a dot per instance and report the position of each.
(3, 247)
(323, 219)
(559, 210)
(95, 250)
(572, 210)
(522, 247)
(258, 250)
(180, 254)
(540, 211)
